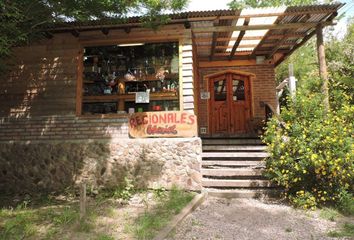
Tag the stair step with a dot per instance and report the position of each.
(233, 163)
(231, 172)
(234, 148)
(235, 154)
(231, 141)
(244, 193)
(235, 183)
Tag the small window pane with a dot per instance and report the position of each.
(238, 89)
(220, 90)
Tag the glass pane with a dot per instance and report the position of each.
(220, 90)
(238, 89)
(118, 72)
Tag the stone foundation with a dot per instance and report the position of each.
(55, 165)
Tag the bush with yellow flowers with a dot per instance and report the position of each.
(311, 150)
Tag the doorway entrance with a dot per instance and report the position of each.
(229, 104)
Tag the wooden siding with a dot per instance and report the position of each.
(43, 79)
(187, 72)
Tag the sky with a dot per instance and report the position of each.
(339, 29)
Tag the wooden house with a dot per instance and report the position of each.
(83, 82)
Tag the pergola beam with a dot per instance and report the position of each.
(214, 40)
(303, 19)
(259, 27)
(239, 39)
(275, 36)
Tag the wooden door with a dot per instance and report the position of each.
(219, 107)
(230, 104)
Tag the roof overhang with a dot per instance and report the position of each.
(265, 34)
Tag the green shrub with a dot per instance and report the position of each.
(346, 203)
(311, 152)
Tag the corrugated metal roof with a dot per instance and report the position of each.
(256, 42)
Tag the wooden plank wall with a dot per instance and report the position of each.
(187, 72)
(42, 80)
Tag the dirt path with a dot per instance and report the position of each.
(251, 219)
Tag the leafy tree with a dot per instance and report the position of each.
(312, 152)
(22, 21)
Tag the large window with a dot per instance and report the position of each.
(130, 78)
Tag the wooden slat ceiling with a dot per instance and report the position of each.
(291, 28)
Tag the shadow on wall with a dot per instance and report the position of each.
(42, 80)
(48, 167)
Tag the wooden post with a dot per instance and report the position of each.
(82, 200)
(322, 66)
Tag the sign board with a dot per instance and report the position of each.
(162, 124)
(205, 95)
(142, 97)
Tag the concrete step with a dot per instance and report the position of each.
(240, 163)
(232, 141)
(231, 172)
(234, 155)
(244, 193)
(244, 148)
(244, 183)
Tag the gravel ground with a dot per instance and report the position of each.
(251, 219)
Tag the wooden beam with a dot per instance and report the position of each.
(275, 36)
(208, 64)
(239, 38)
(105, 31)
(226, 47)
(213, 42)
(259, 27)
(322, 66)
(75, 33)
(304, 40)
(302, 18)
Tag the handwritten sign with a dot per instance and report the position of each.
(162, 124)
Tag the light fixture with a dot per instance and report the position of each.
(130, 44)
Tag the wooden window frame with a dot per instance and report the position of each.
(80, 74)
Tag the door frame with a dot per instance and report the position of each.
(208, 78)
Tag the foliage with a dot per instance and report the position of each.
(312, 156)
(340, 59)
(346, 203)
(239, 4)
(125, 192)
(150, 222)
(23, 21)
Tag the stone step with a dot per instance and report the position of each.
(232, 141)
(244, 183)
(232, 172)
(234, 148)
(243, 193)
(233, 163)
(234, 155)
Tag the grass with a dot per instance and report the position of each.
(329, 214)
(150, 222)
(347, 230)
(49, 218)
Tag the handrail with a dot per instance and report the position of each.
(270, 112)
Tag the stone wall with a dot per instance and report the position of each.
(54, 165)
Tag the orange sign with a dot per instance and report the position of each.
(162, 124)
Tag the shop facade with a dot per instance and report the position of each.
(102, 101)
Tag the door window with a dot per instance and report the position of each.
(220, 91)
(238, 90)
